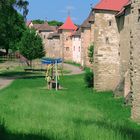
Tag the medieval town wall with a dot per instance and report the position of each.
(106, 51)
(67, 45)
(135, 59)
(85, 43)
(76, 49)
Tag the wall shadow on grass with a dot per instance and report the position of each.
(124, 130)
(20, 75)
(6, 135)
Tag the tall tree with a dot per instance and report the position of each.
(23, 5)
(31, 45)
(11, 24)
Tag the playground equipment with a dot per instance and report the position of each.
(51, 77)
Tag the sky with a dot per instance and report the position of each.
(58, 9)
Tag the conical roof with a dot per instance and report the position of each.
(68, 25)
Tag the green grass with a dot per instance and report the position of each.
(30, 112)
(73, 63)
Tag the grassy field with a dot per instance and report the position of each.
(30, 112)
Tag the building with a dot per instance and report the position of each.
(54, 46)
(76, 46)
(107, 40)
(86, 39)
(66, 30)
(135, 58)
(117, 56)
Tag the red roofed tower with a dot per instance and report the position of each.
(107, 39)
(68, 25)
(66, 31)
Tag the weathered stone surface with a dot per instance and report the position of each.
(85, 43)
(124, 27)
(66, 45)
(135, 59)
(106, 53)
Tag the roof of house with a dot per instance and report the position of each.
(122, 11)
(53, 35)
(87, 22)
(28, 23)
(77, 33)
(68, 25)
(46, 27)
(36, 26)
(112, 5)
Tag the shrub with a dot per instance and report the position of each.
(89, 79)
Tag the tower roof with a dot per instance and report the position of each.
(113, 5)
(68, 25)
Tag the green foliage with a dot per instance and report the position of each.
(31, 112)
(89, 78)
(51, 23)
(23, 4)
(11, 25)
(31, 45)
(55, 23)
(38, 21)
(91, 53)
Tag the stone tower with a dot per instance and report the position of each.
(135, 59)
(66, 31)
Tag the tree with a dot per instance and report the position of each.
(55, 23)
(91, 53)
(38, 21)
(23, 4)
(11, 25)
(31, 45)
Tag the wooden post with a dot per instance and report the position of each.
(56, 80)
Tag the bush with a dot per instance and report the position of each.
(89, 76)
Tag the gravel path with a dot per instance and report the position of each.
(74, 69)
(4, 82)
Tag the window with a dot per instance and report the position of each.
(79, 49)
(138, 15)
(67, 48)
(74, 48)
(110, 23)
(44, 36)
(107, 40)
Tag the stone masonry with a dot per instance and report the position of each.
(106, 51)
(135, 59)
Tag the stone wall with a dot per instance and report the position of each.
(54, 48)
(135, 59)
(44, 35)
(106, 51)
(76, 49)
(85, 43)
(124, 26)
(67, 44)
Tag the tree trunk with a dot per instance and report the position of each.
(7, 50)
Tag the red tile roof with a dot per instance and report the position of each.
(28, 23)
(68, 25)
(113, 5)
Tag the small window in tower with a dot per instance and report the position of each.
(138, 15)
(79, 49)
(74, 48)
(110, 22)
(67, 48)
(44, 36)
(107, 40)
